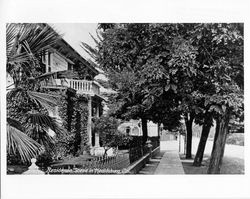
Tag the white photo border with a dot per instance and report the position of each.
(128, 186)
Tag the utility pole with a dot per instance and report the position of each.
(179, 141)
(185, 144)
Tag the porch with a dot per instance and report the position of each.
(69, 79)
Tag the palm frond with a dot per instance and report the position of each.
(48, 101)
(15, 92)
(41, 38)
(94, 39)
(41, 136)
(18, 59)
(19, 143)
(25, 42)
(41, 122)
(24, 45)
(11, 39)
(90, 50)
(15, 55)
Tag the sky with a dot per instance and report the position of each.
(75, 33)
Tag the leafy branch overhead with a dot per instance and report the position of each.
(173, 71)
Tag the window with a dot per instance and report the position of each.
(127, 130)
(135, 131)
(70, 66)
(43, 57)
(43, 68)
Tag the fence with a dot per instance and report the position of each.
(136, 153)
(155, 143)
(117, 162)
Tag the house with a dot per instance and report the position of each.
(65, 69)
(134, 128)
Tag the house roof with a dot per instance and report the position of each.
(69, 52)
(61, 74)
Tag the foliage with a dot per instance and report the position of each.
(64, 145)
(221, 50)
(45, 158)
(236, 139)
(135, 58)
(198, 66)
(19, 143)
(80, 125)
(25, 43)
(73, 113)
(33, 118)
(107, 128)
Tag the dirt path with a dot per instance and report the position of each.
(233, 161)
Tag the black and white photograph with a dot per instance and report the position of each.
(126, 102)
(151, 98)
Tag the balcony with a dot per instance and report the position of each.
(81, 86)
(84, 86)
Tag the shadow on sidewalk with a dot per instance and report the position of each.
(151, 166)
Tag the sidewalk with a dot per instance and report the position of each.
(170, 162)
(151, 166)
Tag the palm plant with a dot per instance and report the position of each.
(24, 45)
(19, 143)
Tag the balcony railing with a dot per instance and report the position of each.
(84, 86)
(81, 86)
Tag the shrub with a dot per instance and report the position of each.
(107, 128)
(236, 139)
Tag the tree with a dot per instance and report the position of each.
(207, 124)
(220, 55)
(226, 103)
(138, 62)
(198, 65)
(25, 43)
(179, 67)
(107, 128)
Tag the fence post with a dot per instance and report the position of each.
(34, 169)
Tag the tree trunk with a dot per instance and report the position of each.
(218, 152)
(144, 130)
(203, 140)
(216, 134)
(189, 123)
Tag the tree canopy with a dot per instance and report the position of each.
(164, 72)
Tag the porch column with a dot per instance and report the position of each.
(98, 110)
(89, 120)
(97, 140)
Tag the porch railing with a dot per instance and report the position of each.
(81, 86)
(84, 86)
